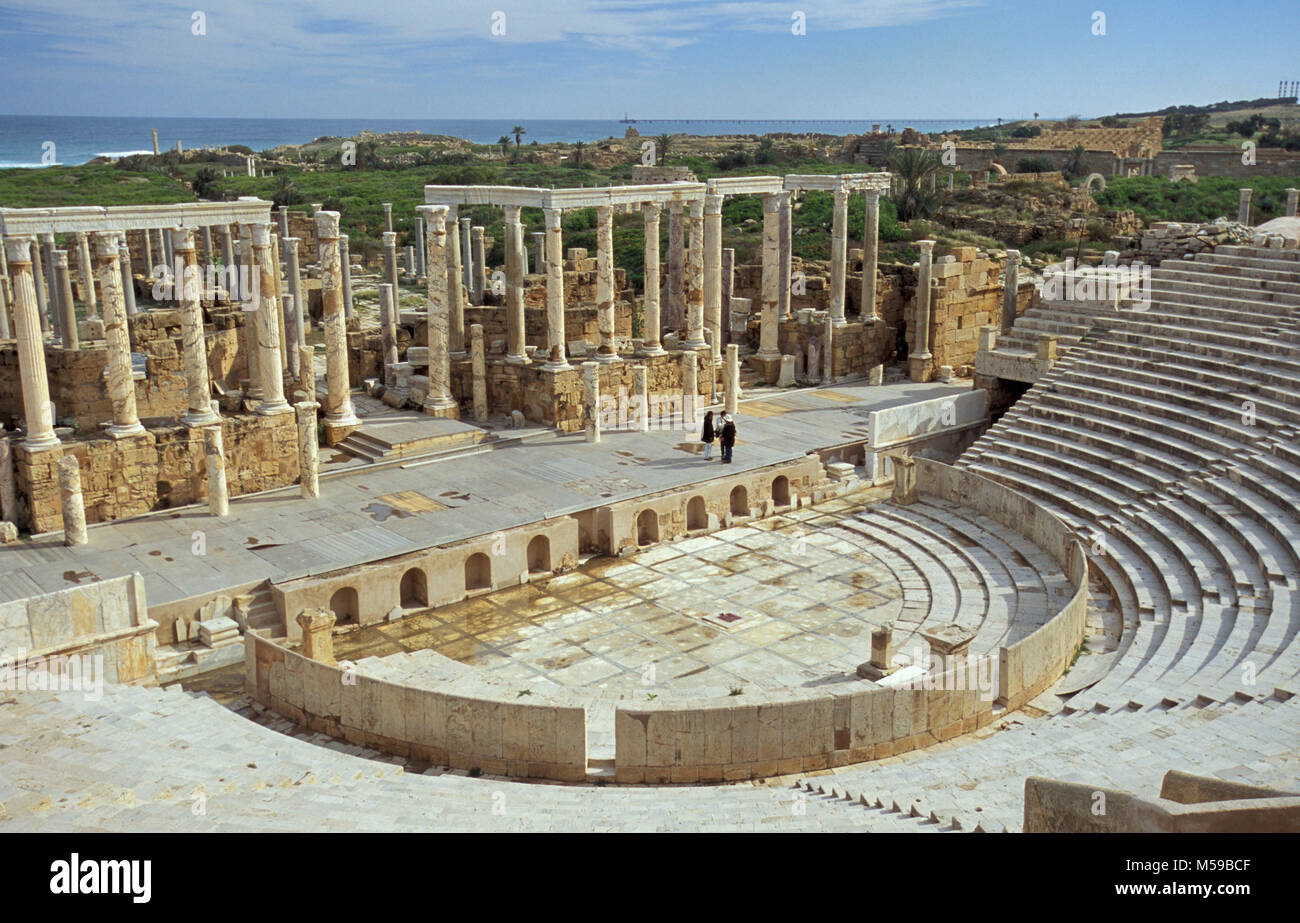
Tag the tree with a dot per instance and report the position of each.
(286, 191)
(578, 149)
(518, 131)
(504, 139)
(1074, 163)
(367, 155)
(914, 166)
(205, 183)
(662, 144)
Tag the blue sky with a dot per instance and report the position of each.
(596, 58)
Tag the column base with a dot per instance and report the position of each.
(41, 443)
(839, 322)
(196, 420)
(700, 343)
(607, 358)
(269, 409)
(767, 355)
(118, 431)
(458, 354)
(517, 360)
(556, 367)
(648, 352)
(445, 408)
(918, 367)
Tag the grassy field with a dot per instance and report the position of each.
(1156, 198)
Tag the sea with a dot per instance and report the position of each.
(45, 140)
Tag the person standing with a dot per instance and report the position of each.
(707, 436)
(727, 438)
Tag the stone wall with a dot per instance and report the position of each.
(160, 469)
(107, 619)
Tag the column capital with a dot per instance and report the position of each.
(713, 204)
(841, 195)
(390, 238)
(553, 216)
(19, 249)
(697, 208)
(925, 246)
(1013, 256)
(873, 196)
(772, 201)
(291, 243)
(182, 239)
(61, 258)
(107, 242)
(512, 213)
(261, 235)
(604, 213)
(651, 210)
(327, 225)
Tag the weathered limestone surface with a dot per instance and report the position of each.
(438, 402)
(339, 416)
(308, 451)
(215, 457)
(479, 371)
(74, 510)
(651, 323)
(121, 385)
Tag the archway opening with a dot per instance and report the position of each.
(739, 501)
(647, 527)
(539, 555)
(414, 589)
(697, 516)
(478, 572)
(781, 491)
(344, 605)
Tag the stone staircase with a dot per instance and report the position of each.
(1168, 441)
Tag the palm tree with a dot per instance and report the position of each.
(578, 148)
(367, 154)
(914, 166)
(504, 139)
(1074, 163)
(662, 143)
(286, 191)
(518, 131)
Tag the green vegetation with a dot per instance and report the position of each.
(51, 187)
(1155, 197)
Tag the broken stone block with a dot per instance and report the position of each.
(8, 533)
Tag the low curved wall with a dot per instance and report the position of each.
(776, 733)
(498, 736)
(1033, 663)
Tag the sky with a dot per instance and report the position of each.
(683, 59)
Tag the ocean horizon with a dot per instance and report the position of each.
(28, 141)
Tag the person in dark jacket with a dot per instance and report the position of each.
(706, 437)
(727, 436)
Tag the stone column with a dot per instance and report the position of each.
(338, 402)
(539, 252)
(591, 400)
(839, 255)
(828, 352)
(388, 217)
(1292, 198)
(690, 386)
(409, 258)
(1243, 206)
(5, 298)
(728, 285)
(1010, 286)
(87, 275)
(74, 507)
(695, 280)
(215, 458)
(307, 371)
(248, 269)
(308, 449)
(478, 369)
(227, 262)
(317, 634)
(713, 271)
(421, 255)
(193, 345)
(31, 346)
(769, 335)
(345, 268)
(557, 359)
(870, 256)
(8, 485)
(293, 273)
(67, 310)
(905, 492)
(479, 259)
(455, 291)
(282, 214)
(269, 360)
(606, 351)
(675, 315)
(650, 319)
(438, 402)
(786, 233)
(919, 360)
(641, 393)
(390, 262)
(42, 282)
(515, 352)
(466, 250)
(121, 386)
(388, 331)
(128, 277)
(160, 251)
(733, 378)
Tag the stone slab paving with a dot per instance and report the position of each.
(279, 536)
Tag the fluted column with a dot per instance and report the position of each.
(515, 352)
(214, 455)
(713, 270)
(557, 359)
(345, 269)
(74, 506)
(870, 255)
(695, 279)
(421, 253)
(67, 309)
(465, 250)
(390, 262)
(198, 387)
(338, 400)
(455, 291)
(269, 360)
(676, 267)
(438, 402)
(43, 281)
(308, 450)
(606, 352)
(732, 400)
(1009, 289)
(839, 254)
(84, 266)
(478, 262)
(388, 330)
(227, 261)
(31, 346)
(650, 317)
(769, 333)
(121, 386)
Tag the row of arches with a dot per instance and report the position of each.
(697, 513)
(413, 588)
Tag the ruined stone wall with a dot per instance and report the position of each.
(1226, 161)
(157, 470)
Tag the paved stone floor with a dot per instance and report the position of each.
(279, 536)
